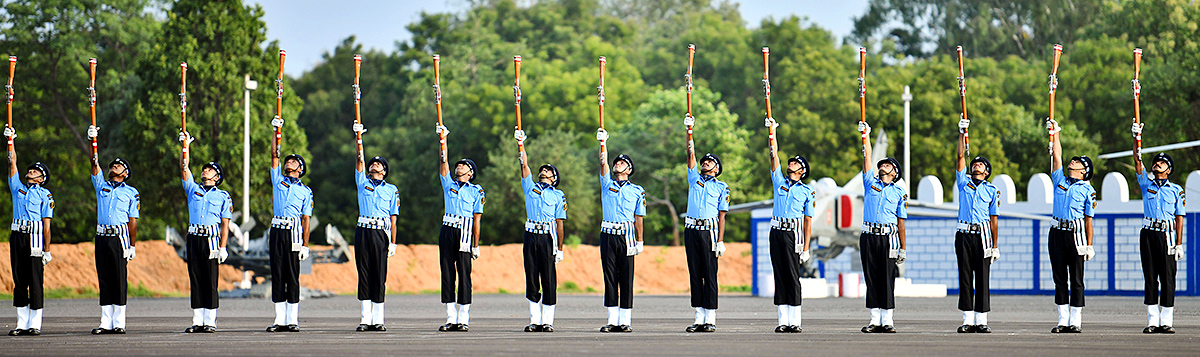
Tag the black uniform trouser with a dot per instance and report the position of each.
(110, 270)
(285, 267)
(370, 257)
(786, 263)
(27, 272)
(455, 264)
(702, 267)
(618, 271)
(1158, 267)
(1067, 266)
(203, 273)
(879, 271)
(541, 280)
(974, 291)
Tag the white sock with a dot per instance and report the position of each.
(1152, 316)
(377, 313)
(1064, 315)
(795, 320)
(118, 319)
(548, 314)
(280, 313)
(210, 317)
(1076, 316)
(365, 315)
(535, 313)
(968, 318)
(875, 317)
(625, 316)
(699, 315)
(710, 316)
(197, 317)
(887, 317)
(35, 319)
(1167, 318)
(293, 313)
(22, 317)
(451, 313)
(785, 315)
(106, 316)
(613, 315)
(981, 318)
(464, 314)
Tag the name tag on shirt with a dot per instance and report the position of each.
(784, 188)
(199, 194)
(614, 190)
(1151, 191)
(1061, 187)
(369, 188)
(701, 183)
(877, 189)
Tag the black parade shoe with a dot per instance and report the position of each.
(607, 328)
(886, 329)
(378, 327)
(97, 331)
(707, 328)
(795, 329)
(966, 329)
(533, 328)
(1166, 329)
(446, 328)
(781, 329)
(16, 332)
(37, 332)
(692, 328)
(117, 331)
(547, 328)
(1058, 329)
(293, 328)
(208, 329)
(1073, 329)
(462, 328)
(362, 328)
(870, 329)
(623, 328)
(983, 329)
(192, 329)
(275, 328)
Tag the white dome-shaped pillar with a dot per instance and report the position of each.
(1007, 188)
(1115, 188)
(929, 190)
(1040, 187)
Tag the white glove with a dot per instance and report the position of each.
(720, 249)
(130, 253)
(1177, 251)
(864, 128)
(520, 136)
(93, 132)
(391, 249)
(638, 248)
(805, 256)
(1137, 129)
(1089, 253)
(10, 132)
(995, 255)
(223, 255)
(474, 253)
(358, 128)
(963, 124)
(771, 123)
(901, 257)
(601, 135)
(186, 138)
(558, 256)
(689, 121)
(1052, 126)
(277, 122)
(442, 130)
(303, 255)
(46, 258)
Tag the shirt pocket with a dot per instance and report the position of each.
(121, 204)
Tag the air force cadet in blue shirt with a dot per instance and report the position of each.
(545, 211)
(209, 212)
(375, 236)
(292, 204)
(117, 205)
(791, 231)
(882, 243)
(1161, 241)
(458, 240)
(1070, 239)
(975, 241)
(704, 231)
(623, 205)
(29, 243)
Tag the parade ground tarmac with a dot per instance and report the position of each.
(745, 327)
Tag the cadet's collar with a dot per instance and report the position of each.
(208, 188)
(542, 185)
(1072, 180)
(31, 186)
(707, 178)
(622, 183)
(291, 180)
(375, 182)
(115, 183)
(461, 183)
(1160, 182)
(977, 182)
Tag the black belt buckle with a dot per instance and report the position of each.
(1066, 225)
(876, 230)
(1159, 225)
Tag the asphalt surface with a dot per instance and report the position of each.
(745, 324)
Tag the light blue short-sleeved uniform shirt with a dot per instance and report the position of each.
(1072, 200)
(30, 202)
(1161, 201)
(462, 199)
(793, 199)
(206, 206)
(621, 200)
(116, 202)
(290, 198)
(376, 201)
(977, 203)
(543, 202)
(883, 203)
(706, 195)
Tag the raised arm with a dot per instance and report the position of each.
(962, 144)
(12, 153)
(444, 165)
(1055, 145)
(359, 130)
(865, 130)
(689, 121)
(1137, 148)
(602, 136)
(772, 143)
(184, 156)
(520, 136)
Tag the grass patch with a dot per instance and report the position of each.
(421, 292)
(573, 241)
(502, 291)
(735, 288)
(569, 287)
(745, 254)
(141, 291)
(590, 289)
(89, 293)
